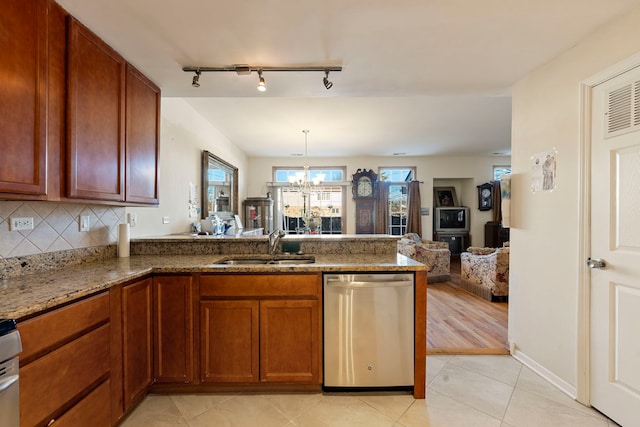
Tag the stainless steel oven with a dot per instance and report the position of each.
(10, 347)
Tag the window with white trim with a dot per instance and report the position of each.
(498, 171)
(397, 177)
(326, 201)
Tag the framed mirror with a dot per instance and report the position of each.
(219, 186)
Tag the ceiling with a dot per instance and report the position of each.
(420, 77)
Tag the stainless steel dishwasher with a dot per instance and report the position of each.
(10, 347)
(368, 330)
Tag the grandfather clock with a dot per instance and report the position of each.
(364, 185)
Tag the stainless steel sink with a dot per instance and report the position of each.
(278, 260)
(308, 260)
(243, 261)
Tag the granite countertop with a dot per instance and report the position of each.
(31, 293)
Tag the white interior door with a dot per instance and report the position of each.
(615, 239)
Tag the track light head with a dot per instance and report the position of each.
(327, 84)
(196, 79)
(261, 85)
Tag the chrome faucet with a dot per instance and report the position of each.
(274, 238)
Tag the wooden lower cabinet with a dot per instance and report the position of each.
(65, 364)
(229, 341)
(137, 348)
(289, 341)
(173, 314)
(260, 328)
(91, 411)
(90, 362)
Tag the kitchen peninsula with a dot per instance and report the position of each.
(151, 321)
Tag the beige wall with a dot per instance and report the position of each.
(184, 134)
(464, 173)
(545, 225)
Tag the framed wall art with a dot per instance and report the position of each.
(445, 196)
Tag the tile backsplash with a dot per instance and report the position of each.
(57, 227)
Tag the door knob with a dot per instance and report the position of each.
(596, 263)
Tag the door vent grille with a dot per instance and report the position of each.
(623, 109)
(636, 104)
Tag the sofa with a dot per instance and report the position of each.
(435, 255)
(485, 272)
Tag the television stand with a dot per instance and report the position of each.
(458, 242)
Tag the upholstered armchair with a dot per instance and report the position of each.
(485, 272)
(435, 255)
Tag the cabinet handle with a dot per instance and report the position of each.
(51, 422)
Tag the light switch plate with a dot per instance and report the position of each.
(85, 222)
(132, 219)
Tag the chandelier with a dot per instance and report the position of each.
(305, 185)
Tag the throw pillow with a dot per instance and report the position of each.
(414, 237)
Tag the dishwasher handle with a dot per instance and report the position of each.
(375, 284)
(8, 382)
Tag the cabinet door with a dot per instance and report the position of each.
(96, 107)
(290, 341)
(173, 320)
(229, 341)
(136, 343)
(142, 138)
(23, 103)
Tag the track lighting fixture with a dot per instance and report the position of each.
(261, 86)
(327, 84)
(243, 69)
(196, 79)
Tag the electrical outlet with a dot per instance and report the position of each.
(165, 220)
(18, 224)
(85, 222)
(132, 219)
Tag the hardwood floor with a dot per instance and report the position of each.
(459, 322)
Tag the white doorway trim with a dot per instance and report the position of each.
(583, 378)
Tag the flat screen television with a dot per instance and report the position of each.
(450, 219)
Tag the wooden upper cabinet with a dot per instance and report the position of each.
(23, 97)
(142, 139)
(95, 117)
(76, 121)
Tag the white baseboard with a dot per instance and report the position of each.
(555, 380)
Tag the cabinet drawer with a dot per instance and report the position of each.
(91, 411)
(53, 329)
(260, 285)
(63, 375)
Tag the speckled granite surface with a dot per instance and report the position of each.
(28, 294)
(18, 266)
(374, 244)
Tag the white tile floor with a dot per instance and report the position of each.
(462, 391)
